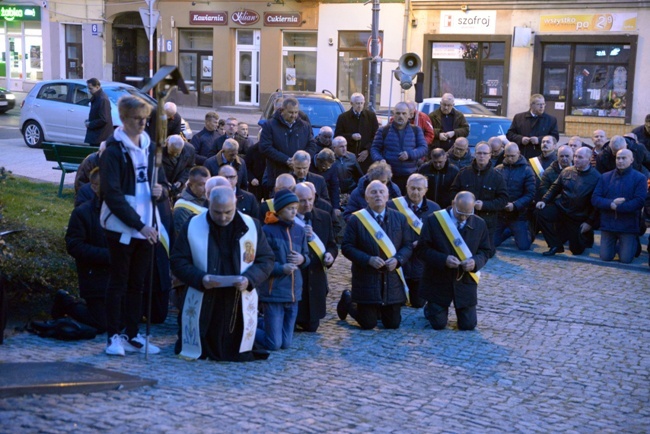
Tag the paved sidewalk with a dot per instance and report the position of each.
(560, 347)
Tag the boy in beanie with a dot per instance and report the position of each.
(280, 294)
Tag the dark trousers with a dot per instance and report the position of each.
(368, 314)
(89, 310)
(557, 227)
(400, 180)
(130, 264)
(414, 293)
(438, 316)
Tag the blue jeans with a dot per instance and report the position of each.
(627, 245)
(279, 322)
(516, 228)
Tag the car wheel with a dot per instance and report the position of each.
(33, 134)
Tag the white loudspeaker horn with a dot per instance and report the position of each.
(409, 65)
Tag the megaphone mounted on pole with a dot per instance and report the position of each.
(408, 66)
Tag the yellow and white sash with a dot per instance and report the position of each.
(403, 207)
(456, 240)
(269, 203)
(381, 238)
(537, 166)
(316, 244)
(197, 234)
(191, 206)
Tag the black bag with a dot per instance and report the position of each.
(64, 329)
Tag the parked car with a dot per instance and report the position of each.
(483, 123)
(55, 110)
(323, 109)
(7, 100)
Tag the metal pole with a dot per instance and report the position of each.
(151, 2)
(374, 54)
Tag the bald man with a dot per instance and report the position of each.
(225, 249)
(246, 202)
(378, 283)
(620, 196)
(449, 272)
(174, 120)
(520, 184)
(448, 123)
(178, 159)
(565, 212)
(285, 181)
(358, 126)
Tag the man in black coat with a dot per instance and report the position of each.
(300, 163)
(246, 202)
(230, 132)
(99, 125)
(346, 165)
(228, 156)
(447, 278)
(178, 159)
(488, 187)
(528, 128)
(378, 288)
(174, 120)
(416, 208)
(440, 174)
(564, 160)
(281, 137)
(85, 242)
(358, 126)
(520, 181)
(204, 140)
(571, 216)
(317, 223)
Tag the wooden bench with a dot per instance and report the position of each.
(68, 157)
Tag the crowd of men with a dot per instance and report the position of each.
(245, 230)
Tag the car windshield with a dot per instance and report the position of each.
(320, 112)
(115, 93)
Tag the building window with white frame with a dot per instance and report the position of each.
(299, 61)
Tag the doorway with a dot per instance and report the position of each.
(131, 47)
(247, 68)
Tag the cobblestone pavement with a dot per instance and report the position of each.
(562, 346)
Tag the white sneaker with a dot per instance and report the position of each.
(137, 345)
(115, 347)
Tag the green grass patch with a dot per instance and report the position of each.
(34, 261)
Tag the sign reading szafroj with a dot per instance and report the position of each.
(570, 23)
(20, 13)
(470, 22)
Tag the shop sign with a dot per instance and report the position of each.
(282, 19)
(20, 13)
(245, 17)
(470, 22)
(448, 50)
(617, 22)
(209, 18)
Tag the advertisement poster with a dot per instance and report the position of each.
(290, 76)
(35, 56)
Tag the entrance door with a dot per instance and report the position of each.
(247, 68)
(14, 62)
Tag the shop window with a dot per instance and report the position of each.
(195, 62)
(354, 66)
(299, 61)
(33, 48)
(73, 51)
(195, 40)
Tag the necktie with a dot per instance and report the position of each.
(415, 208)
(459, 225)
(380, 219)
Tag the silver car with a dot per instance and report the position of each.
(55, 110)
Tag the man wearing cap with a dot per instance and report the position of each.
(378, 241)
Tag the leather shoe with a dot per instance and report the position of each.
(344, 303)
(553, 250)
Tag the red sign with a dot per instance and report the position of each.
(282, 19)
(209, 18)
(380, 42)
(245, 17)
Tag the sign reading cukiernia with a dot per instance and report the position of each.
(617, 22)
(20, 13)
(470, 22)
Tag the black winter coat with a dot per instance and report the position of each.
(520, 184)
(439, 182)
(204, 143)
(459, 126)
(366, 125)
(319, 183)
(214, 163)
(100, 120)
(313, 305)
(85, 242)
(487, 185)
(573, 189)
(371, 286)
(526, 125)
(440, 284)
(279, 142)
(178, 169)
